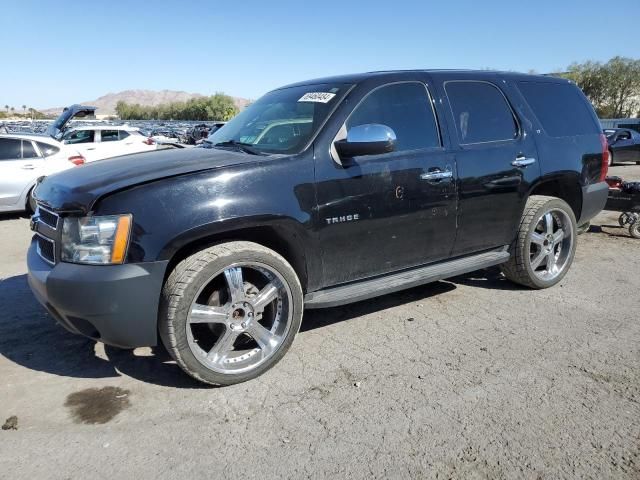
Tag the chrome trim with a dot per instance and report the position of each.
(39, 218)
(523, 161)
(440, 175)
(39, 252)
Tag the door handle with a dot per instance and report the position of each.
(28, 167)
(437, 175)
(522, 161)
(92, 148)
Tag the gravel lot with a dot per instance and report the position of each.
(468, 378)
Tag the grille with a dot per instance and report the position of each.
(46, 249)
(48, 218)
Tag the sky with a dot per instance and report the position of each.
(57, 53)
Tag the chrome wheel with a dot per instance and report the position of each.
(550, 244)
(239, 318)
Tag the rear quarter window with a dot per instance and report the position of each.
(561, 108)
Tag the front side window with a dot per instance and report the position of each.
(10, 149)
(80, 136)
(109, 136)
(406, 109)
(282, 121)
(27, 150)
(481, 112)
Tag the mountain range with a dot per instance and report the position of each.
(107, 103)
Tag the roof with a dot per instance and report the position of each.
(360, 77)
(105, 127)
(31, 136)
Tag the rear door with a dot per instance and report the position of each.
(496, 161)
(20, 165)
(381, 213)
(85, 141)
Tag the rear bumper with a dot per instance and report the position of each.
(116, 304)
(594, 198)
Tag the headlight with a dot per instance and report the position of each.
(96, 240)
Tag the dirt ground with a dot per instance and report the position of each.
(468, 378)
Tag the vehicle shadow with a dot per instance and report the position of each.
(30, 337)
(491, 278)
(319, 318)
(14, 215)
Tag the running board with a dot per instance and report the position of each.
(374, 287)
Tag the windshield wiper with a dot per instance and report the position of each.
(243, 147)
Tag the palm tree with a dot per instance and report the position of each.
(7, 107)
(24, 110)
(12, 110)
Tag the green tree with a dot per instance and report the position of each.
(7, 107)
(613, 87)
(215, 107)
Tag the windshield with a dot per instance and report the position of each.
(282, 121)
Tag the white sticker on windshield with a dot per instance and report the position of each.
(321, 97)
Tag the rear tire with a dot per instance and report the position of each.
(611, 163)
(545, 243)
(634, 229)
(230, 312)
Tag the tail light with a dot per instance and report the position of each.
(149, 141)
(77, 160)
(604, 168)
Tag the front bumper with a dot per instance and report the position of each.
(116, 304)
(594, 197)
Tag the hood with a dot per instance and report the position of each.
(77, 189)
(80, 111)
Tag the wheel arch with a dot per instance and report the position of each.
(284, 239)
(566, 187)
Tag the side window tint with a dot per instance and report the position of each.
(481, 112)
(80, 136)
(27, 150)
(10, 149)
(123, 134)
(109, 136)
(47, 150)
(405, 108)
(561, 108)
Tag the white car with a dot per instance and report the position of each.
(25, 158)
(96, 142)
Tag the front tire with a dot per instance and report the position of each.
(545, 243)
(230, 312)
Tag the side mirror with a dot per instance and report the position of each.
(368, 139)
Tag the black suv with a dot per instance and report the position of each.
(319, 194)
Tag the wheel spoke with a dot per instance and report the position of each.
(548, 220)
(207, 314)
(223, 345)
(558, 236)
(551, 262)
(235, 283)
(265, 339)
(537, 260)
(537, 238)
(267, 295)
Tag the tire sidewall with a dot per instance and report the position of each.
(177, 319)
(551, 204)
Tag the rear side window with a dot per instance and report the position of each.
(481, 112)
(123, 134)
(27, 150)
(80, 136)
(10, 149)
(560, 107)
(109, 136)
(405, 108)
(47, 150)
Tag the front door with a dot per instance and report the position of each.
(496, 161)
(381, 213)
